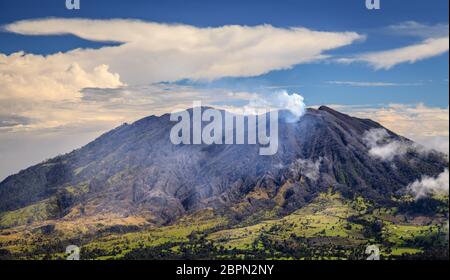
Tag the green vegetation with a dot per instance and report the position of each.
(329, 227)
(36, 212)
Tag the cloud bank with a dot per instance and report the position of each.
(408, 120)
(410, 54)
(58, 90)
(153, 52)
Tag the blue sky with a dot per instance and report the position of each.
(65, 82)
(349, 15)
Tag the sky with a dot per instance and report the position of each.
(66, 76)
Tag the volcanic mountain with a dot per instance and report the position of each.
(134, 169)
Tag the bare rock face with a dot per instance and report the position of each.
(135, 169)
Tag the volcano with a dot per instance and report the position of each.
(134, 169)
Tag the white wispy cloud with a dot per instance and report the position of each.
(434, 42)
(417, 29)
(410, 54)
(372, 84)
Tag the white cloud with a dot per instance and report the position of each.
(382, 146)
(387, 59)
(153, 52)
(430, 185)
(39, 78)
(417, 29)
(411, 54)
(435, 42)
(372, 84)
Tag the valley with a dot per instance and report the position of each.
(328, 228)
